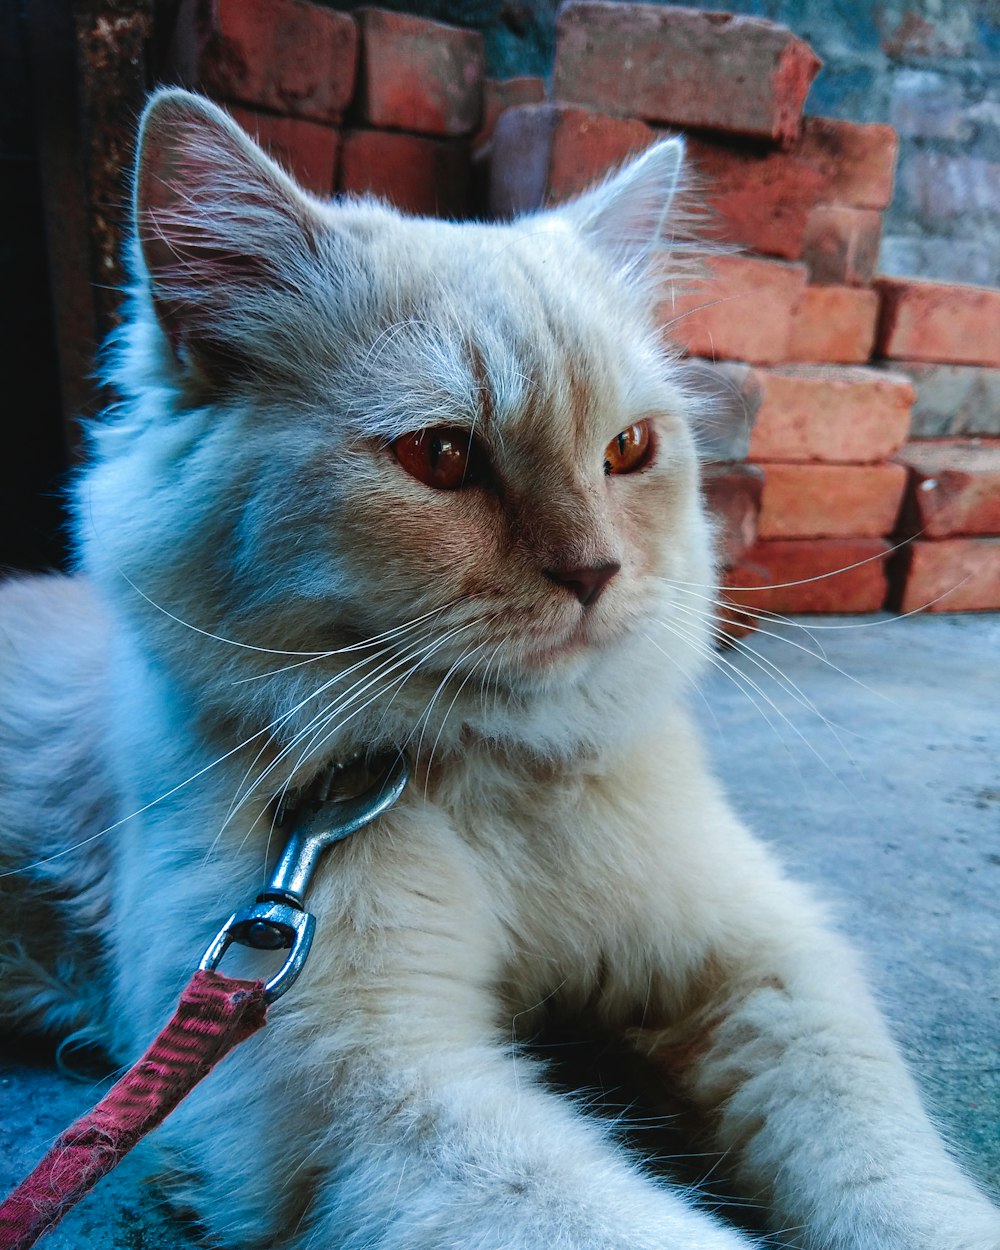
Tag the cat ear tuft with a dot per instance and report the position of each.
(212, 214)
(632, 216)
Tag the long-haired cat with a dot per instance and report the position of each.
(379, 482)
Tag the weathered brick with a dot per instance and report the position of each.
(729, 394)
(953, 399)
(841, 243)
(547, 153)
(834, 324)
(732, 495)
(943, 189)
(757, 196)
(830, 500)
(307, 150)
(742, 312)
(858, 162)
(954, 487)
(951, 575)
(500, 94)
(416, 173)
(713, 71)
(831, 414)
(284, 55)
(809, 575)
(929, 105)
(910, 31)
(419, 75)
(934, 321)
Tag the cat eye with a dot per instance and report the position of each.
(630, 450)
(445, 457)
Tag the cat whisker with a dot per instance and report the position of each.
(741, 681)
(424, 719)
(319, 716)
(688, 312)
(776, 617)
(287, 716)
(740, 676)
(386, 635)
(334, 710)
(309, 655)
(444, 719)
(803, 581)
(322, 719)
(484, 680)
(687, 678)
(769, 668)
(694, 645)
(160, 798)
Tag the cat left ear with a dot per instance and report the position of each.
(629, 216)
(214, 217)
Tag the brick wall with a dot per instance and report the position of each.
(930, 69)
(854, 412)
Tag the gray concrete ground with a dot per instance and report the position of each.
(873, 763)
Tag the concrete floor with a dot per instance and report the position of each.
(873, 762)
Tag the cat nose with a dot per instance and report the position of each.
(587, 581)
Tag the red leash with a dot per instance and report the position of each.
(214, 1014)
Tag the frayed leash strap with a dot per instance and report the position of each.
(214, 1014)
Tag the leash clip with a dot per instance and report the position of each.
(277, 920)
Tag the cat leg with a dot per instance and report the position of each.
(786, 1056)
(463, 1150)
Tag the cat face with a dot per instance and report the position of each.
(430, 459)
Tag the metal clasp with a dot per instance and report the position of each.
(277, 920)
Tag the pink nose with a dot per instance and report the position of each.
(587, 581)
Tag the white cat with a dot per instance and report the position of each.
(374, 481)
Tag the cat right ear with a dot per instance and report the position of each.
(214, 219)
(632, 216)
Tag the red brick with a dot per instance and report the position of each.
(831, 414)
(939, 322)
(728, 394)
(307, 150)
(952, 575)
(756, 197)
(764, 198)
(415, 173)
(547, 153)
(500, 94)
(810, 575)
(284, 55)
(732, 496)
(858, 162)
(742, 312)
(419, 75)
(830, 500)
(841, 245)
(834, 324)
(713, 71)
(954, 487)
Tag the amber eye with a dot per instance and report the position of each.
(444, 457)
(630, 450)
